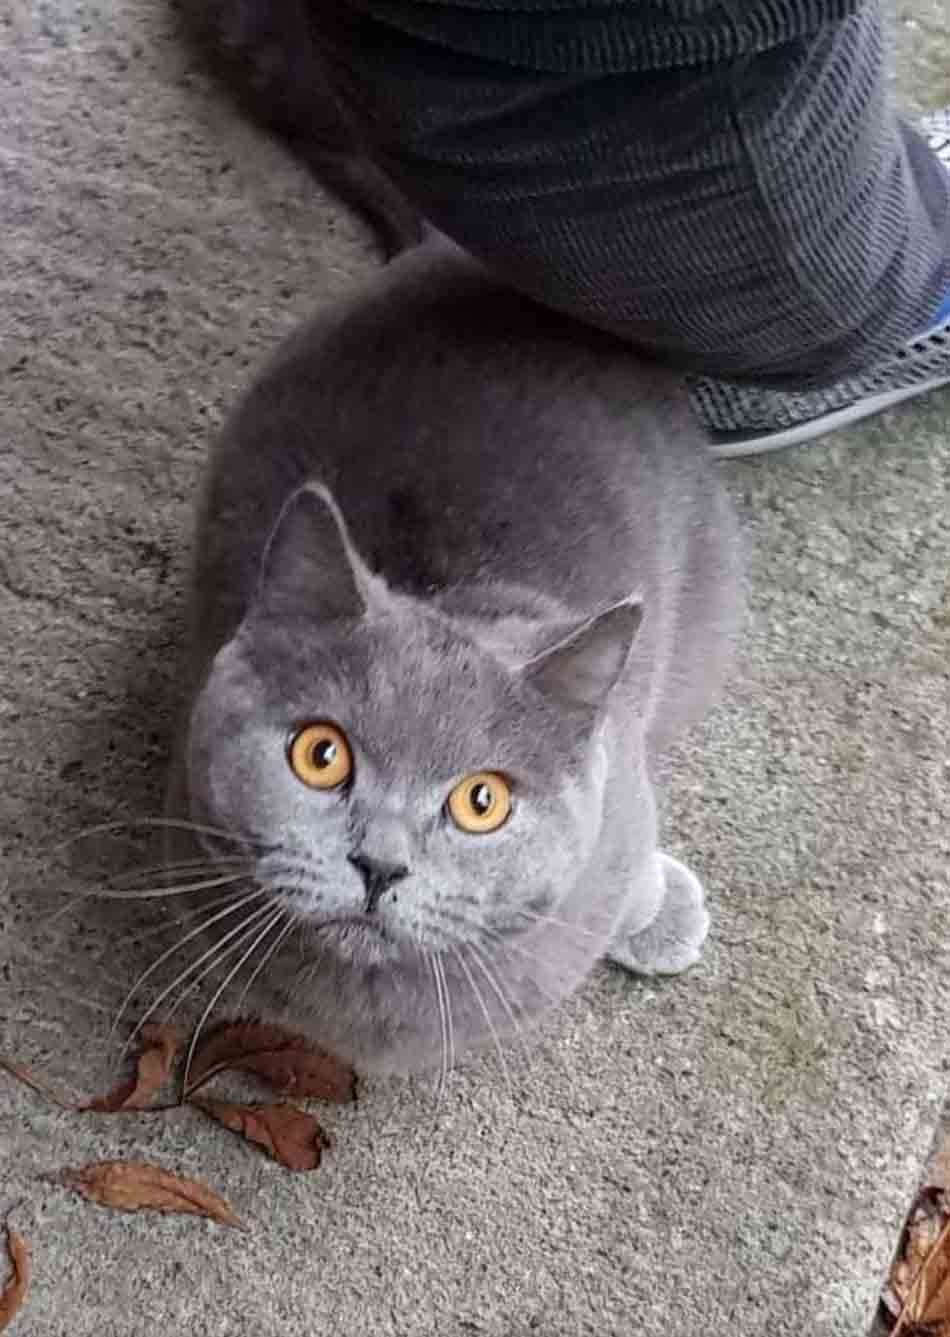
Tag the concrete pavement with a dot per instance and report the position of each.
(728, 1153)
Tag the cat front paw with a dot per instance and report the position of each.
(673, 941)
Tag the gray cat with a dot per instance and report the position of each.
(463, 571)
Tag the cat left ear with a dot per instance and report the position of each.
(581, 669)
(310, 565)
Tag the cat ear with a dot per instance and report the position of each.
(310, 565)
(581, 669)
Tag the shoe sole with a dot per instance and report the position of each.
(726, 446)
(735, 445)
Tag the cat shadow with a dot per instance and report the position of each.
(269, 69)
(105, 808)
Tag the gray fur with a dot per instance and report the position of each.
(475, 536)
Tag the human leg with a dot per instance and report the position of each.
(763, 216)
(749, 420)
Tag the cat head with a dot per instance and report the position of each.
(415, 801)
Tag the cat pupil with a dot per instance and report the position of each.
(324, 754)
(481, 799)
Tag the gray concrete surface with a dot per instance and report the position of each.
(729, 1153)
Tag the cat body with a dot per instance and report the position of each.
(476, 539)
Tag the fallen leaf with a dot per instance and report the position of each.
(159, 1047)
(289, 1135)
(920, 1276)
(280, 1058)
(14, 1292)
(133, 1186)
(35, 1083)
(940, 1165)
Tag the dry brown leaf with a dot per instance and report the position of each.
(159, 1047)
(280, 1058)
(35, 1083)
(14, 1292)
(940, 1165)
(920, 1277)
(289, 1135)
(134, 1186)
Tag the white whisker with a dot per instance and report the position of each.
(458, 953)
(126, 880)
(272, 921)
(449, 1023)
(558, 923)
(249, 927)
(215, 954)
(292, 923)
(234, 904)
(443, 1072)
(443, 1031)
(181, 917)
(495, 986)
(167, 823)
(505, 944)
(155, 893)
(80, 897)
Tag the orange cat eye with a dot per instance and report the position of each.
(320, 756)
(480, 803)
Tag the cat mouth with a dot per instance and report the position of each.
(371, 922)
(353, 929)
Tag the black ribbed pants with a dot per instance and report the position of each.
(725, 183)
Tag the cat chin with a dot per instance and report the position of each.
(359, 940)
(351, 1013)
(375, 1004)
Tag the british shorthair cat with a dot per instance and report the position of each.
(463, 571)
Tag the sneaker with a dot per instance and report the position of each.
(749, 420)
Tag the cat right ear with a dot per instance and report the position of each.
(582, 669)
(310, 566)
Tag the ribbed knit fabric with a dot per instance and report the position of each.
(725, 185)
(607, 36)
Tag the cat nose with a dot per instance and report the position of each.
(378, 876)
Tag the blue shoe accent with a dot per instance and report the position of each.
(943, 313)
